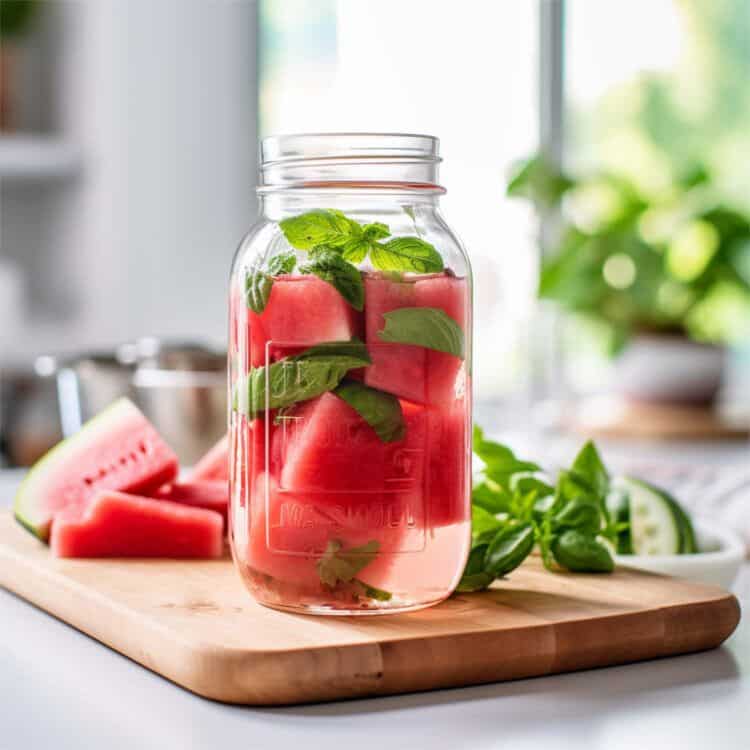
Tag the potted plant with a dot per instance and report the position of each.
(16, 17)
(667, 276)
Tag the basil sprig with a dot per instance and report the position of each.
(355, 241)
(514, 509)
(315, 371)
(338, 566)
(429, 327)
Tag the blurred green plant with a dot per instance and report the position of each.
(16, 17)
(676, 261)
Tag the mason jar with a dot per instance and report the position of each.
(350, 380)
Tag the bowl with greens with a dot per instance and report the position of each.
(582, 519)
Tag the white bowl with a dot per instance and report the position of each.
(721, 555)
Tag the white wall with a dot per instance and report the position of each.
(161, 96)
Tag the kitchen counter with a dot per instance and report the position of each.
(60, 688)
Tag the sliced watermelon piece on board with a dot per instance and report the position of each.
(116, 524)
(413, 372)
(214, 465)
(210, 495)
(301, 311)
(118, 449)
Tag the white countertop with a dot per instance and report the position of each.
(62, 689)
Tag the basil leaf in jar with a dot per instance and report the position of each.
(382, 411)
(429, 327)
(323, 226)
(356, 249)
(259, 281)
(337, 565)
(406, 254)
(328, 265)
(315, 371)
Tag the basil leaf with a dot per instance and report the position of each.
(257, 289)
(475, 563)
(582, 553)
(343, 276)
(580, 514)
(341, 566)
(510, 547)
(406, 254)
(324, 226)
(282, 263)
(373, 592)
(589, 467)
(376, 231)
(314, 372)
(356, 249)
(354, 348)
(380, 410)
(474, 582)
(429, 327)
(500, 461)
(258, 282)
(491, 497)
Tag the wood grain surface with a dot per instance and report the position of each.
(195, 624)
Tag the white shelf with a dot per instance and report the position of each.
(37, 157)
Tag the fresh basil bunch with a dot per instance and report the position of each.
(514, 509)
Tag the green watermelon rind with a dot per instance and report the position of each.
(24, 504)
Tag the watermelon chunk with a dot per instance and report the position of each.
(448, 468)
(210, 495)
(301, 311)
(214, 466)
(116, 524)
(413, 372)
(117, 450)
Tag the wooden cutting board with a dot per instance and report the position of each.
(195, 624)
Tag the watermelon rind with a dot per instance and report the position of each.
(28, 506)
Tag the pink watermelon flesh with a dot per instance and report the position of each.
(117, 450)
(211, 495)
(116, 524)
(214, 465)
(301, 311)
(413, 372)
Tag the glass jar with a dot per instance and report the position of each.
(350, 390)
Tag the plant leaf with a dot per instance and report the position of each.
(343, 276)
(258, 282)
(382, 411)
(508, 549)
(406, 254)
(324, 226)
(373, 592)
(429, 327)
(337, 565)
(313, 372)
(582, 553)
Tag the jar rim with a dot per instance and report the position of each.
(357, 158)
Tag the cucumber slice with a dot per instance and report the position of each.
(655, 527)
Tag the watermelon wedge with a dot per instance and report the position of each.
(214, 466)
(407, 371)
(116, 524)
(117, 450)
(209, 495)
(301, 311)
